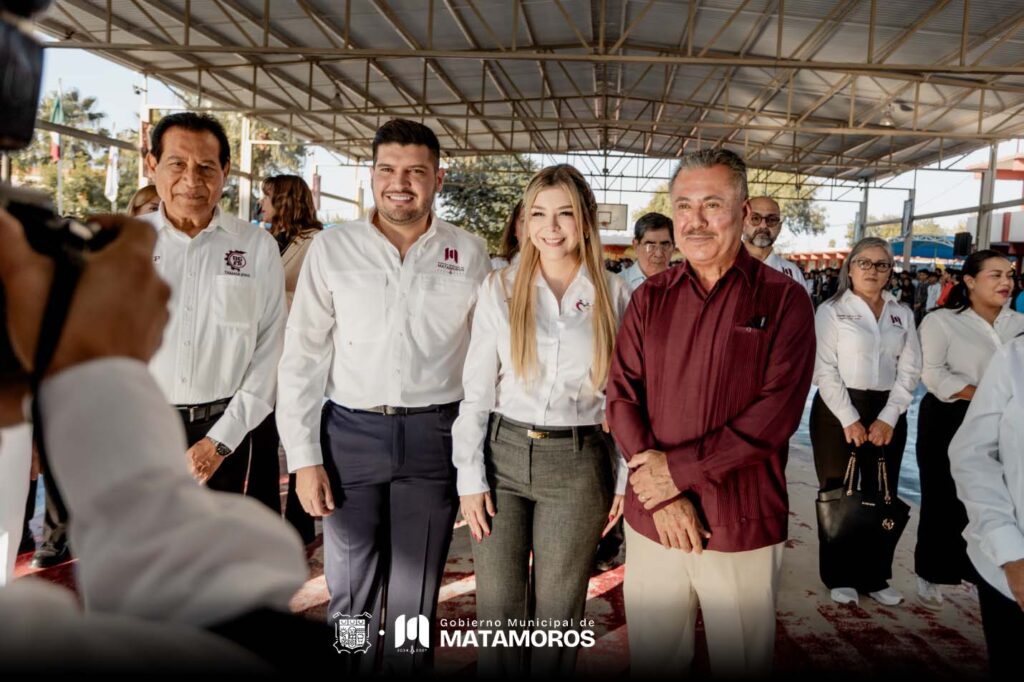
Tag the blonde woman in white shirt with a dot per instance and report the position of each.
(958, 341)
(867, 366)
(536, 472)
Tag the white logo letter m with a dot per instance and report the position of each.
(416, 629)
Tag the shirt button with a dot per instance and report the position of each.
(188, 343)
(183, 379)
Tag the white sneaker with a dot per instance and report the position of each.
(845, 595)
(929, 594)
(887, 597)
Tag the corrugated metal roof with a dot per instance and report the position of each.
(493, 76)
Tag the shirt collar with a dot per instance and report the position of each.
(887, 297)
(745, 264)
(218, 220)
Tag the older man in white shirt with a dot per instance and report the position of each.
(218, 361)
(380, 327)
(654, 243)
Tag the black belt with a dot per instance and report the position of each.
(542, 432)
(404, 411)
(199, 413)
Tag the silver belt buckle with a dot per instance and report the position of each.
(536, 435)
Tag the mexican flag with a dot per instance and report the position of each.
(56, 116)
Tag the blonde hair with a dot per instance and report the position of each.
(142, 196)
(522, 306)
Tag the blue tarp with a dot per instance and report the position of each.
(928, 250)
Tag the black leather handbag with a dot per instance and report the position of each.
(860, 529)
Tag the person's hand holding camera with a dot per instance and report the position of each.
(119, 308)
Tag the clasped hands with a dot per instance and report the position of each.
(678, 524)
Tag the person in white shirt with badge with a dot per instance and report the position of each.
(379, 326)
(760, 230)
(536, 472)
(958, 341)
(654, 244)
(867, 366)
(218, 360)
(986, 457)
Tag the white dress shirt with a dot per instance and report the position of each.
(957, 348)
(987, 462)
(561, 394)
(856, 351)
(934, 291)
(227, 307)
(633, 276)
(367, 328)
(788, 268)
(153, 563)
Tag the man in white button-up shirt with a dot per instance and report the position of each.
(219, 356)
(760, 230)
(380, 327)
(654, 243)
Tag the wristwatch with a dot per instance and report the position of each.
(222, 450)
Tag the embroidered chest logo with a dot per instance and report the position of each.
(450, 264)
(895, 319)
(235, 262)
(582, 305)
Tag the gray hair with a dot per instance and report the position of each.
(709, 158)
(844, 271)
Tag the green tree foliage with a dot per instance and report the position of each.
(889, 230)
(479, 193)
(796, 200)
(85, 162)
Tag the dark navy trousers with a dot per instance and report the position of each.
(386, 543)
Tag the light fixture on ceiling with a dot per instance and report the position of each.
(886, 120)
(336, 102)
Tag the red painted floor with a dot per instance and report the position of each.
(814, 634)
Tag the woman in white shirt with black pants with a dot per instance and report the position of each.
(536, 472)
(867, 366)
(958, 342)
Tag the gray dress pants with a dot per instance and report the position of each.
(552, 498)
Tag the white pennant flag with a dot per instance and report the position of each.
(113, 177)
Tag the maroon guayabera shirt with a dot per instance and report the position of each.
(717, 380)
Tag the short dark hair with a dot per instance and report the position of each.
(189, 120)
(405, 132)
(652, 221)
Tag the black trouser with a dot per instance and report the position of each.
(831, 457)
(941, 552)
(55, 518)
(30, 512)
(265, 479)
(386, 543)
(1003, 622)
(233, 472)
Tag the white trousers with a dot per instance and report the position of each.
(735, 591)
(15, 464)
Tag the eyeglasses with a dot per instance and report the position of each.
(770, 220)
(880, 265)
(651, 247)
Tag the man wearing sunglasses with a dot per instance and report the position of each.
(760, 230)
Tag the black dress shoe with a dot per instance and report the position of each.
(51, 554)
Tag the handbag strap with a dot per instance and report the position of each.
(850, 479)
(883, 477)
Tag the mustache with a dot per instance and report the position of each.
(698, 233)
